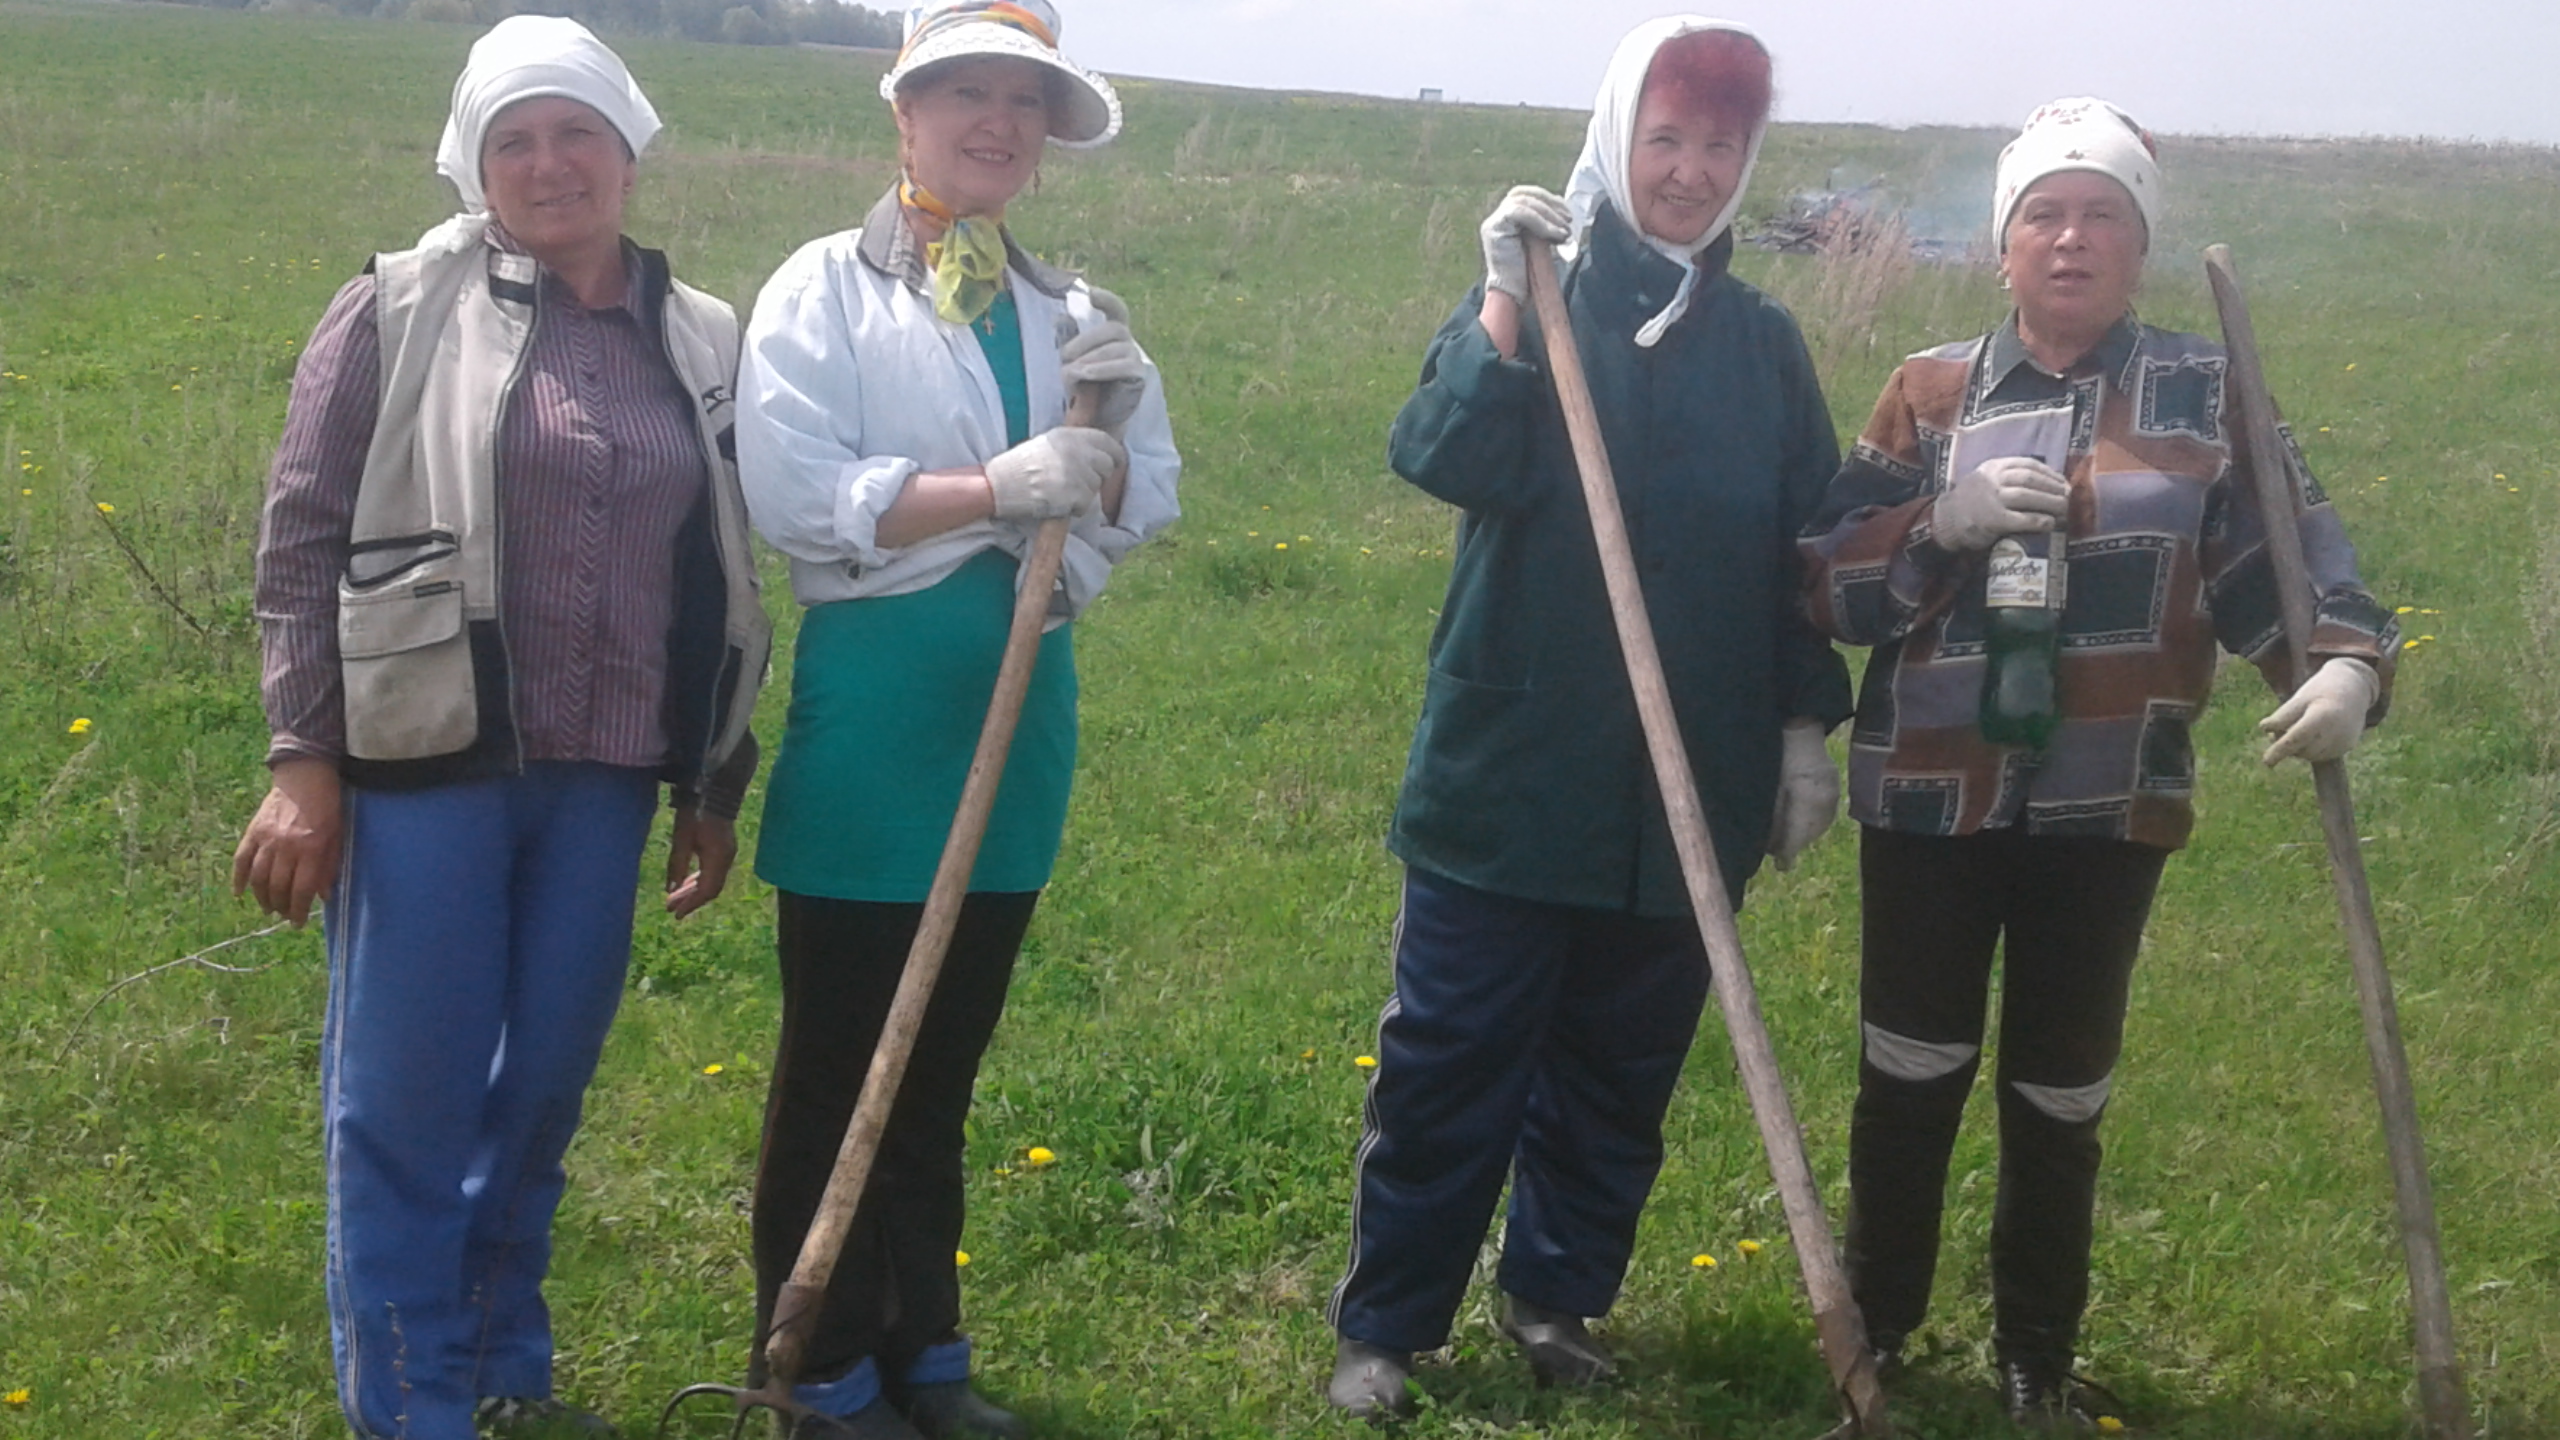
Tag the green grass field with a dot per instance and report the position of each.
(181, 191)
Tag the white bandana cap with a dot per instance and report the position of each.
(1609, 144)
(2082, 133)
(524, 57)
(1087, 109)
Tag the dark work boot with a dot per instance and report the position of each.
(1369, 1382)
(1560, 1349)
(954, 1410)
(514, 1418)
(2044, 1397)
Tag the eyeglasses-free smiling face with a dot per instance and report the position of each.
(2075, 248)
(1682, 168)
(557, 174)
(971, 131)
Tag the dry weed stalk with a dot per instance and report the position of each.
(1861, 266)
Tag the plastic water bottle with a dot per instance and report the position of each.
(2022, 596)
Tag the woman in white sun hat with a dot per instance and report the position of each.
(900, 438)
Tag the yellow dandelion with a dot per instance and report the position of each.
(1365, 550)
(1702, 1262)
(78, 726)
(1307, 1054)
(1280, 545)
(105, 509)
(26, 492)
(2425, 639)
(714, 1068)
(1365, 1062)
(2406, 610)
(1040, 1155)
(959, 1257)
(18, 1399)
(1002, 1170)
(2351, 364)
(1748, 1247)
(2110, 1425)
(2424, 611)
(2324, 429)
(2495, 475)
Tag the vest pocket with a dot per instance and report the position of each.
(406, 654)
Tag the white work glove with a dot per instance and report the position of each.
(2324, 717)
(2012, 495)
(1527, 210)
(1808, 792)
(1106, 357)
(1056, 473)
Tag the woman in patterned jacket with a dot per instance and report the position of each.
(2110, 442)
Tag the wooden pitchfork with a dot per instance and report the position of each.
(1842, 1330)
(795, 1310)
(2445, 1412)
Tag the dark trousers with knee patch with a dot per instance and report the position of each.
(1535, 1041)
(2066, 916)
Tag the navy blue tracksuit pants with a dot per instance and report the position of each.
(1531, 1040)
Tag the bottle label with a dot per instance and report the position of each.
(2016, 578)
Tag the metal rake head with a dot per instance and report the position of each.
(773, 1398)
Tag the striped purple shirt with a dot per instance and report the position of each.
(599, 464)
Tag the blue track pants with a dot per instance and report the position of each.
(1524, 1039)
(478, 937)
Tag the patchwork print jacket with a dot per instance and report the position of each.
(2167, 559)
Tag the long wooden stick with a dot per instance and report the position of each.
(2446, 1411)
(1843, 1331)
(795, 1310)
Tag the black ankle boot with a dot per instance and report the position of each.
(1560, 1348)
(1369, 1382)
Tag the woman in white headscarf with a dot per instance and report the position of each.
(2072, 435)
(467, 737)
(1548, 975)
(902, 435)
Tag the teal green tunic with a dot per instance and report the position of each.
(887, 698)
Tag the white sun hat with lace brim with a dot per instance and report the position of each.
(1084, 109)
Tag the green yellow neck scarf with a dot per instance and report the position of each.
(968, 261)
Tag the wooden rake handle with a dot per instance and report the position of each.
(795, 1310)
(2446, 1411)
(1842, 1330)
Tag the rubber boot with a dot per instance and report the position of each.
(1560, 1348)
(1369, 1382)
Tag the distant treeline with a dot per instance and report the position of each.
(732, 22)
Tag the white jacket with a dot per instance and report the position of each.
(850, 383)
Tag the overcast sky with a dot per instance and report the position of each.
(2461, 69)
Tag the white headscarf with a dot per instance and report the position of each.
(1610, 142)
(2083, 133)
(525, 56)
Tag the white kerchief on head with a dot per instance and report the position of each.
(2082, 133)
(1609, 144)
(525, 56)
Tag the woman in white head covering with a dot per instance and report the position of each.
(468, 736)
(900, 431)
(2021, 764)
(1548, 975)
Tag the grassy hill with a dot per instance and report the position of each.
(182, 190)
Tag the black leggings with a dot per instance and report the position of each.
(2067, 915)
(896, 1289)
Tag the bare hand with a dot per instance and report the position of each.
(288, 858)
(700, 850)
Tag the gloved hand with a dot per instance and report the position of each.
(1808, 792)
(1058, 472)
(1527, 210)
(1106, 356)
(2324, 717)
(2012, 495)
